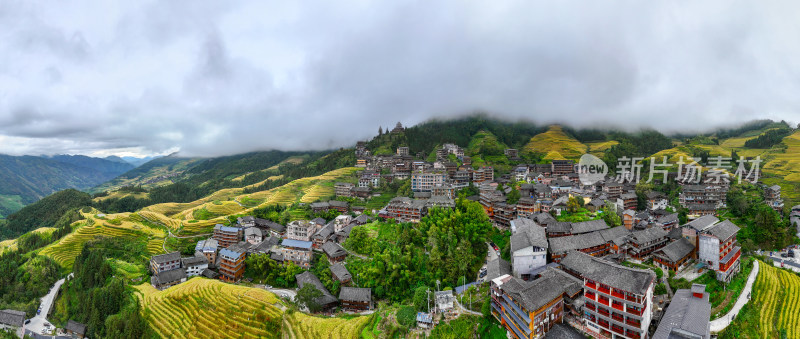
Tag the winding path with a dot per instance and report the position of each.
(720, 324)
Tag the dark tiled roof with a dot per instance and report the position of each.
(165, 258)
(536, 293)
(675, 233)
(337, 203)
(559, 227)
(617, 276)
(170, 276)
(75, 327)
(309, 278)
(648, 235)
(702, 207)
(497, 268)
(528, 233)
(702, 223)
(12, 318)
(270, 224)
(563, 331)
(588, 226)
(319, 221)
(324, 233)
(355, 294)
(209, 274)
(627, 196)
(576, 242)
(333, 249)
(668, 219)
(677, 249)
(341, 272)
(723, 230)
(686, 314)
(196, 260)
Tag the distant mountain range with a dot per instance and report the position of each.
(26, 179)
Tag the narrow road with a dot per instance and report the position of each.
(665, 280)
(464, 310)
(723, 322)
(37, 322)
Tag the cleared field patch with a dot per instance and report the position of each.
(307, 326)
(8, 245)
(555, 140)
(204, 308)
(317, 192)
(120, 195)
(601, 146)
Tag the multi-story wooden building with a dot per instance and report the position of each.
(231, 262)
(483, 174)
(343, 189)
(167, 279)
(207, 248)
(597, 243)
(341, 274)
(563, 167)
(675, 255)
(618, 300)
(643, 243)
(355, 299)
(528, 309)
(405, 209)
(227, 235)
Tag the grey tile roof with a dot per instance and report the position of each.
(319, 221)
(264, 223)
(12, 318)
(324, 233)
(677, 249)
(497, 268)
(75, 327)
(648, 235)
(702, 207)
(528, 233)
(559, 227)
(588, 226)
(723, 230)
(337, 203)
(253, 231)
(309, 278)
(563, 331)
(560, 245)
(534, 294)
(603, 271)
(170, 276)
(702, 223)
(627, 196)
(333, 249)
(341, 272)
(208, 273)
(164, 258)
(686, 314)
(196, 260)
(355, 294)
(668, 219)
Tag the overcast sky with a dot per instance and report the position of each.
(212, 78)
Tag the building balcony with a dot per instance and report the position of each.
(603, 311)
(589, 295)
(591, 307)
(604, 290)
(603, 301)
(635, 312)
(617, 294)
(617, 317)
(618, 329)
(618, 306)
(633, 322)
(632, 334)
(591, 284)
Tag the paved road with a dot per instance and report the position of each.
(464, 310)
(38, 322)
(723, 322)
(665, 280)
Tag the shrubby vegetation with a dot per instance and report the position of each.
(445, 246)
(762, 227)
(769, 138)
(44, 213)
(25, 278)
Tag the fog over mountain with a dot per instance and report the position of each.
(135, 78)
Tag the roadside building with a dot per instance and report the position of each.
(618, 300)
(688, 315)
(75, 329)
(528, 247)
(355, 299)
(719, 250)
(529, 309)
(12, 319)
(327, 301)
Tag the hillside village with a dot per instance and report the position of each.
(564, 258)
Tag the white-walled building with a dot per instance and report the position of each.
(528, 247)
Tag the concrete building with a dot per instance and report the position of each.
(194, 265)
(231, 262)
(207, 248)
(426, 181)
(688, 315)
(528, 247)
(719, 250)
(165, 262)
(227, 235)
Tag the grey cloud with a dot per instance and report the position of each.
(213, 78)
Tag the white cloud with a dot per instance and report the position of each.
(213, 78)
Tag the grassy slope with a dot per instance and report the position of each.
(151, 174)
(556, 144)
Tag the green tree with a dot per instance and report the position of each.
(610, 216)
(572, 205)
(513, 196)
(307, 296)
(421, 298)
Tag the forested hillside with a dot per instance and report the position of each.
(26, 179)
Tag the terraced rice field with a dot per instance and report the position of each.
(318, 192)
(556, 143)
(788, 162)
(601, 146)
(204, 308)
(307, 326)
(8, 245)
(777, 292)
(65, 250)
